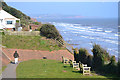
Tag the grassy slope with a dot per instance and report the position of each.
(48, 69)
(3, 68)
(28, 42)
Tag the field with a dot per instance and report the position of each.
(49, 69)
(29, 42)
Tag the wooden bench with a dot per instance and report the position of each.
(76, 66)
(73, 62)
(65, 60)
(86, 70)
(84, 65)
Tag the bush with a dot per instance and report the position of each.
(90, 60)
(111, 67)
(113, 60)
(76, 55)
(50, 31)
(83, 56)
(100, 56)
(119, 67)
(36, 23)
(30, 27)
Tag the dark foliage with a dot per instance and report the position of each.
(111, 67)
(50, 31)
(30, 27)
(100, 56)
(36, 23)
(119, 67)
(76, 55)
(24, 18)
(83, 56)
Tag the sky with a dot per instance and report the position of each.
(78, 9)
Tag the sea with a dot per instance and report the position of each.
(84, 33)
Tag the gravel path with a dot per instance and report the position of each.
(10, 71)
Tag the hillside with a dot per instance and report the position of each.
(24, 18)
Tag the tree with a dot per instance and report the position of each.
(100, 56)
(119, 67)
(51, 32)
(113, 61)
(76, 55)
(83, 56)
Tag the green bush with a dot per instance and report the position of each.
(30, 27)
(83, 56)
(50, 31)
(119, 67)
(100, 56)
(76, 55)
(111, 67)
(90, 60)
(113, 60)
(36, 23)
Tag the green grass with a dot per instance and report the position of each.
(3, 68)
(28, 42)
(49, 69)
(1, 29)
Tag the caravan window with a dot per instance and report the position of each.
(9, 22)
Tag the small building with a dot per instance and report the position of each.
(7, 21)
(34, 27)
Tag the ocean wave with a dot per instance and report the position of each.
(116, 35)
(103, 35)
(89, 27)
(108, 31)
(92, 29)
(99, 30)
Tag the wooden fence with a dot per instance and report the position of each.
(23, 33)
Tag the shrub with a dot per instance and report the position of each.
(111, 67)
(119, 67)
(30, 27)
(113, 60)
(76, 55)
(90, 60)
(83, 56)
(36, 23)
(50, 31)
(100, 56)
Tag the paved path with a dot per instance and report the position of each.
(10, 71)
